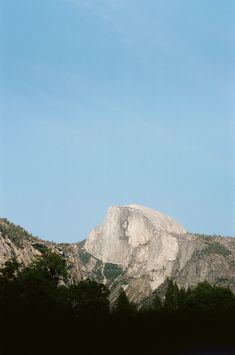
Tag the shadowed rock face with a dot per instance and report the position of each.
(135, 248)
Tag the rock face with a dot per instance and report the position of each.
(139, 239)
(135, 248)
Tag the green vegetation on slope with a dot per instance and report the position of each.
(84, 256)
(112, 271)
(15, 233)
(216, 248)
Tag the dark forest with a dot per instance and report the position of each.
(41, 314)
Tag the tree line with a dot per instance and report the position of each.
(37, 306)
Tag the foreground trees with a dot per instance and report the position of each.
(89, 299)
(36, 304)
(122, 307)
(204, 299)
(38, 291)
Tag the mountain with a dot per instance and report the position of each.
(151, 247)
(135, 248)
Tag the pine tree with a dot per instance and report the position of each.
(171, 303)
(123, 307)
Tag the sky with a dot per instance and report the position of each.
(115, 102)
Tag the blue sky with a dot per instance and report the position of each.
(112, 102)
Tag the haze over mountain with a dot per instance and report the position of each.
(135, 248)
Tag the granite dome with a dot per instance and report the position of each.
(139, 238)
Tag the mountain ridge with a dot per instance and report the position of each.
(136, 249)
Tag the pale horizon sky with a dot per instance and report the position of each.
(113, 102)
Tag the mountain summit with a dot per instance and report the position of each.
(161, 221)
(127, 228)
